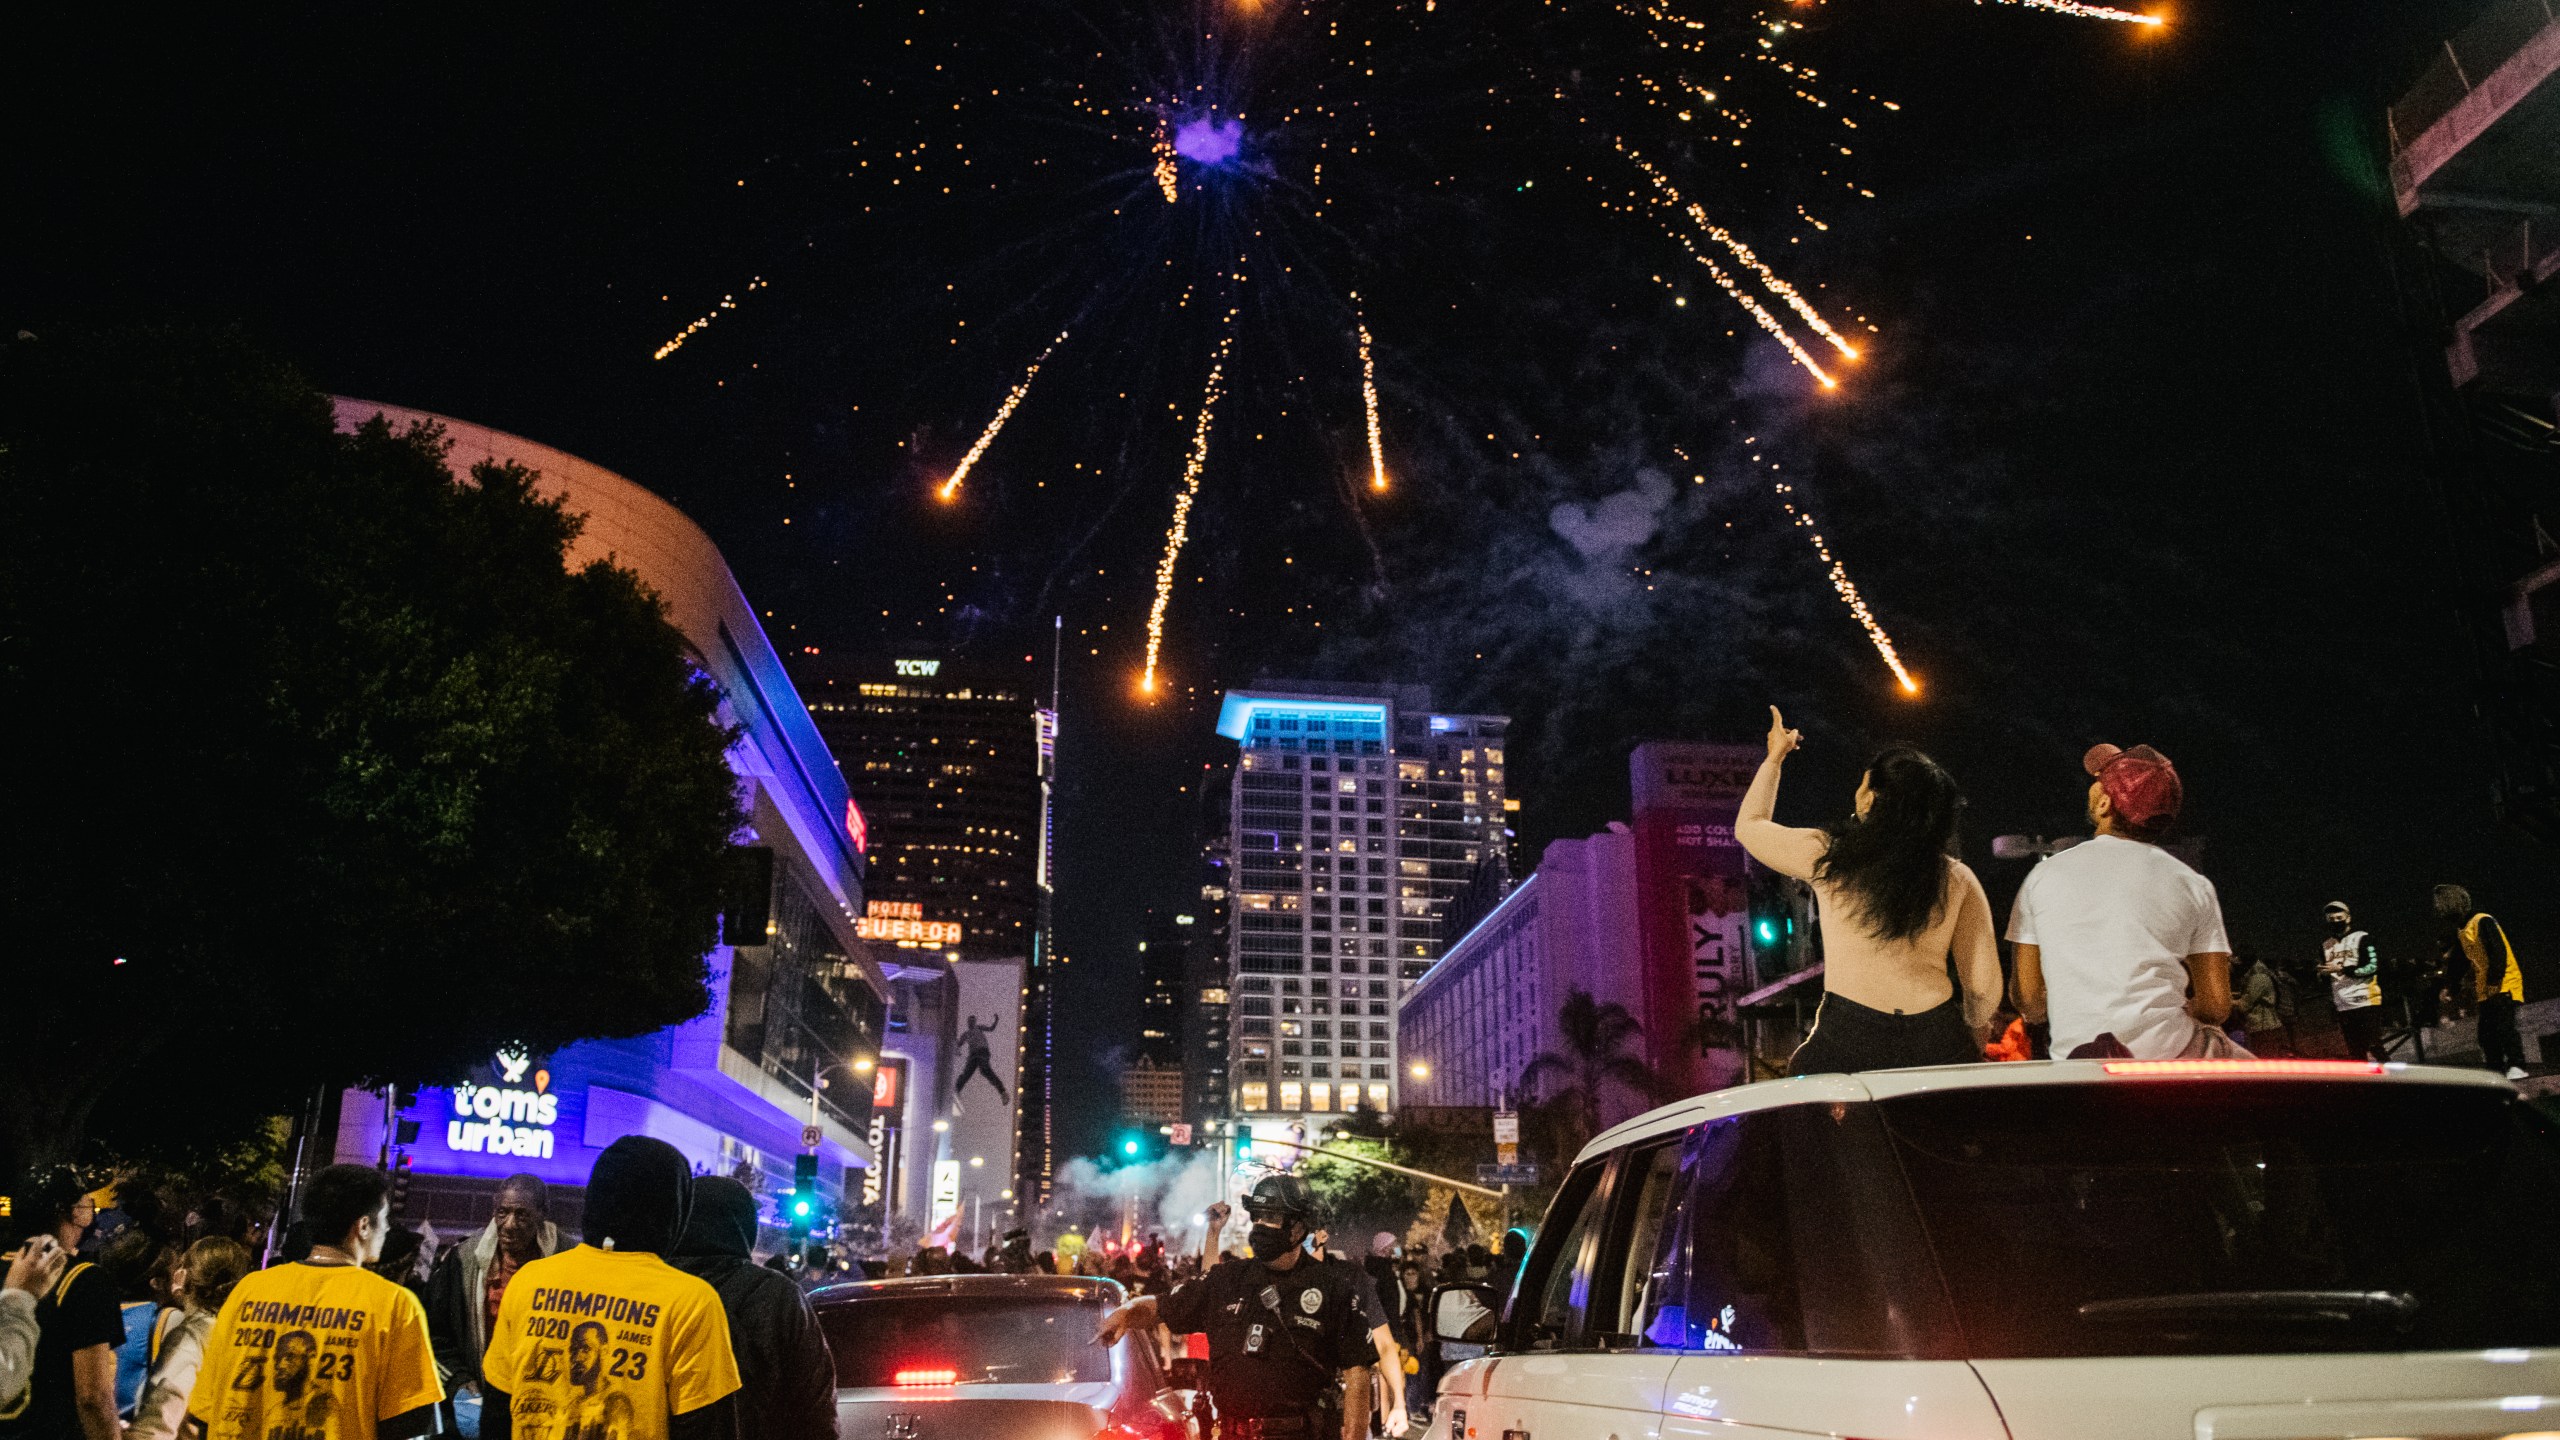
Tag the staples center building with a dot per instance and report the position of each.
(731, 1088)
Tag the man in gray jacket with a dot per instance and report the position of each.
(463, 1291)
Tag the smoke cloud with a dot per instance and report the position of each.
(1158, 1195)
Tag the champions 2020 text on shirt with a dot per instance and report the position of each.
(313, 1352)
(595, 1345)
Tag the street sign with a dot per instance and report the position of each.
(810, 1135)
(1506, 1174)
(1506, 1154)
(1182, 1134)
(1506, 1129)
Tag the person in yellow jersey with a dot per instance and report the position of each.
(607, 1341)
(2473, 937)
(321, 1349)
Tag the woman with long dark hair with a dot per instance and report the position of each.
(1911, 974)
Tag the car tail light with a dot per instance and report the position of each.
(926, 1377)
(2243, 1067)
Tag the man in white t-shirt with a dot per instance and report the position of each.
(2116, 939)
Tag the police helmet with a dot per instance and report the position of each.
(1282, 1198)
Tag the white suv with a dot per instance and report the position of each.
(2083, 1250)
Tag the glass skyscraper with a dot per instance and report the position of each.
(1358, 816)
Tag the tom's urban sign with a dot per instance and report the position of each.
(505, 1118)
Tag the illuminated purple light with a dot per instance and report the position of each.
(1208, 141)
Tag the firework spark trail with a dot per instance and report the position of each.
(1769, 279)
(727, 302)
(2086, 12)
(950, 489)
(1760, 313)
(1168, 178)
(1179, 533)
(1841, 584)
(1847, 590)
(1369, 399)
(1776, 286)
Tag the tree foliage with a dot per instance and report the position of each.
(1595, 1060)
(330, 769)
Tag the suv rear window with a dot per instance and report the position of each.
(976, 1339)
(2256, 1217)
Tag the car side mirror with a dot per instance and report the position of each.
(1465, 1313)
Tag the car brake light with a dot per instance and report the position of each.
(927, 1377)
(2243, 1067)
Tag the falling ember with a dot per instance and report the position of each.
(1767, 321)
(1179, 533)
(727, 302)
(950, 489)
(2086, 12)
(1369, 399)
(1847, 590)
(1769, 279)
(1168, 179)
(1725, 282)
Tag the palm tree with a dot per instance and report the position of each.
(1595, 1057)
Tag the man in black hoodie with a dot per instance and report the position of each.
(786, 1375)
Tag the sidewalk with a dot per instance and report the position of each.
(2456, 1042)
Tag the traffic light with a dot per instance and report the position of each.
(800, 1206)
(1777, 934)
(1244, 1145)
(400, 1187)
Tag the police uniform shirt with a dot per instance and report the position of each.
(1278, 1340)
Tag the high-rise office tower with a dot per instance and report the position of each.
(952, 765)
(1160, 957)
(1205, 965)
(1359, 814)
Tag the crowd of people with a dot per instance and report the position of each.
(114, 1325)
(359, 1326)
(2117, 946)
(1395, 1282)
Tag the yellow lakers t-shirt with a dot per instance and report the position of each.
(592, 1344)
(313, 1352)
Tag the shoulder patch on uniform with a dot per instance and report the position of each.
(1311, 1301)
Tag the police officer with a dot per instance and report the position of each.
(1286, 1336)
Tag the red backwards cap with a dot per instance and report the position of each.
(2140, 783)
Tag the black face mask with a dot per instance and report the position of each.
(1267, 1242)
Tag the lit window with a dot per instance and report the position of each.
(1254, 1095)
(1292, 1095)
(1348, 787)
(1319, 1096)
(1377, 1094)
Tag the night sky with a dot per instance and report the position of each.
(2133, 453)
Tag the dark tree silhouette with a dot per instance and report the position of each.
(342, 774)
(1594, 1059)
